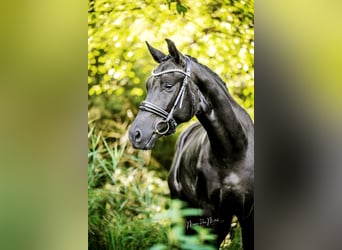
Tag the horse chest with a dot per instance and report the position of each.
(215, 179)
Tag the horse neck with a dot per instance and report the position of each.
(220, 115)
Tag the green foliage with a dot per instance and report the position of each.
(176, 234)
(233, 241)
(181, 9)
(129, 206)
(122, 199)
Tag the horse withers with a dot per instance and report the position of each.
(213, 167)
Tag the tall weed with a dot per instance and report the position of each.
(129, 206)
(121, 199)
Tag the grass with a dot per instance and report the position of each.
(121, 199)
(129, 206)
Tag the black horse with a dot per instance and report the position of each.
(213, 167)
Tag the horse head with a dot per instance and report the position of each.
(172, 98)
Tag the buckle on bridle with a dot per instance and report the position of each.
(162, 132)
(169, 129)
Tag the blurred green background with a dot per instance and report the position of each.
(127, 188)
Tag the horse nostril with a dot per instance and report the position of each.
(137, 135)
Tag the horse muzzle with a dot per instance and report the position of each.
(147, 128)
(142, 137)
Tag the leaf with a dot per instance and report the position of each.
(158, 247)
(191, 212)
(181, 9)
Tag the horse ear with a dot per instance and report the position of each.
(177, 56)
(156, 54)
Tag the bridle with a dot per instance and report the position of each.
(168, 119)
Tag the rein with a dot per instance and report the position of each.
(168, 119)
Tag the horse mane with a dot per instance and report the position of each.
(216, 77)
